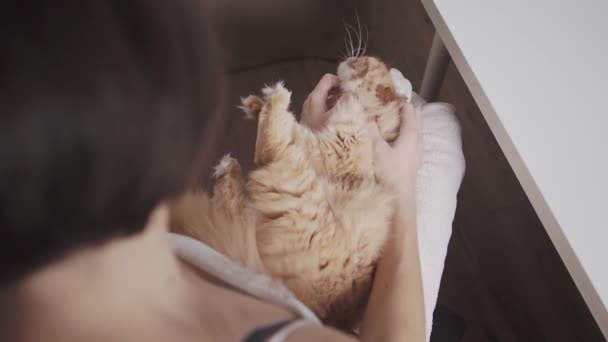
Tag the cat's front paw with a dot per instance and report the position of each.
(251, 105)
(227, 166)
(277, 96)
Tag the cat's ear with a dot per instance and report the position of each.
(251, 105)
(385, 94)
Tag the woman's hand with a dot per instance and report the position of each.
(395, 311)
(397, 165)
(314, 111)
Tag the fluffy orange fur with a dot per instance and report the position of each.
(312, 213)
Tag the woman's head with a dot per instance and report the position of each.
(105, 105)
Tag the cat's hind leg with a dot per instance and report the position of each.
(228, 190)
(234, 228)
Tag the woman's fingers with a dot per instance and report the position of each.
(326, 83)
(419, 118)
(379, 144)
(306, 109)
(410, 124)
(318, 97)
(314, 110)
(409, 119)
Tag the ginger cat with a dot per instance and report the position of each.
(311, 214)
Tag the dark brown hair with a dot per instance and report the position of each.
(104, 108)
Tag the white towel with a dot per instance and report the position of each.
(439, 179)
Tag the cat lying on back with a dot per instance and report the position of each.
(311, 213)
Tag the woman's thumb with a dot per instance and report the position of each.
(378, 141)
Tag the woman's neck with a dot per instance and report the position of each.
(117, 287)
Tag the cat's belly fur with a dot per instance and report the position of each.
(322, 238)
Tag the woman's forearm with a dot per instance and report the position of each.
(395, 309)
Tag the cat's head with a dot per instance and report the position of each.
(369, 80)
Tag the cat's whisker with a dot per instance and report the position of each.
(359, 52)
(366, 41)
(350, 39)
(345, 42)
(359, 34)
(346, 48)
(343, 55)
(356, 48)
